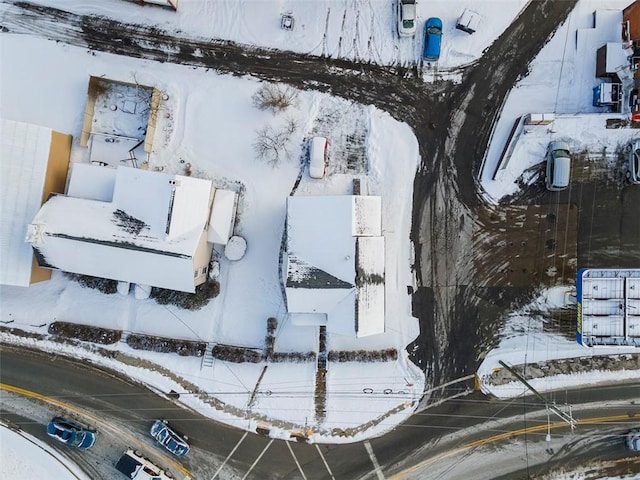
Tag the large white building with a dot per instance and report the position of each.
(608, 307)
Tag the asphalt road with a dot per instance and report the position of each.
(429, 434)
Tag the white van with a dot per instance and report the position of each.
(136, 467)
(318, 157)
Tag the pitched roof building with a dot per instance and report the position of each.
(138, 226)
(334, 263)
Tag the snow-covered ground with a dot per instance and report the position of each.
(210, 122)
(23, 456)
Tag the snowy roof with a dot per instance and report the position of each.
(91, 182)
(170, 205)
(222, 217)
(335, 261)
(126, 239)
(617, 56)
(24, 155)
(111, 148)
(608, 307)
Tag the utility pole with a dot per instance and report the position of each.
(551, 406)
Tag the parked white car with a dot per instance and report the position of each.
(407, 11)
(318, 156)
(633, 174)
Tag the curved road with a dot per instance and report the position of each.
(437, 436)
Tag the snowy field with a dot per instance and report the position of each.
(43, 461)
(210, 122)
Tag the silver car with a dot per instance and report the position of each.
(633, 440)
(407, 11)
(558, 166)
(633, 174)
(169, 438)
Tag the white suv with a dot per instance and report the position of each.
(558, 166)
(633, 174)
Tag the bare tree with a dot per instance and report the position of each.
(274, 97)
(271, 145)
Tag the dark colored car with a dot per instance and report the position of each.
(633, 174)
(432, 39)
(169, 438)
(71, 433)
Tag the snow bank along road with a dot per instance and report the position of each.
(430, 440)
(452, 124)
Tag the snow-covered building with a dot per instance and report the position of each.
(131, 225)
(608, 307)
(34, 161)
(333, 269)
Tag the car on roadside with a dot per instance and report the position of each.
(71, 433)
(407, 11)
(633, 173)
(169, 438)
(558, 166)
(432, 39)
(318, 152)
(633, 440)
(136, 467)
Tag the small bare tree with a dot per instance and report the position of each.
(274, 97)
(271, 145)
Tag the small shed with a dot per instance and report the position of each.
(469, 21)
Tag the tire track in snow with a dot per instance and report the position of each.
(326, 34)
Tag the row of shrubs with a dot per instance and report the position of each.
(249, 355)
(291, 357)
(363, 355)
(188, 301)
(103, 285)
(86, 333)
(237, 354)
(166, 345)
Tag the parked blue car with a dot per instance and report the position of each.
(432, 39)
(169, 438)
(71, 433)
